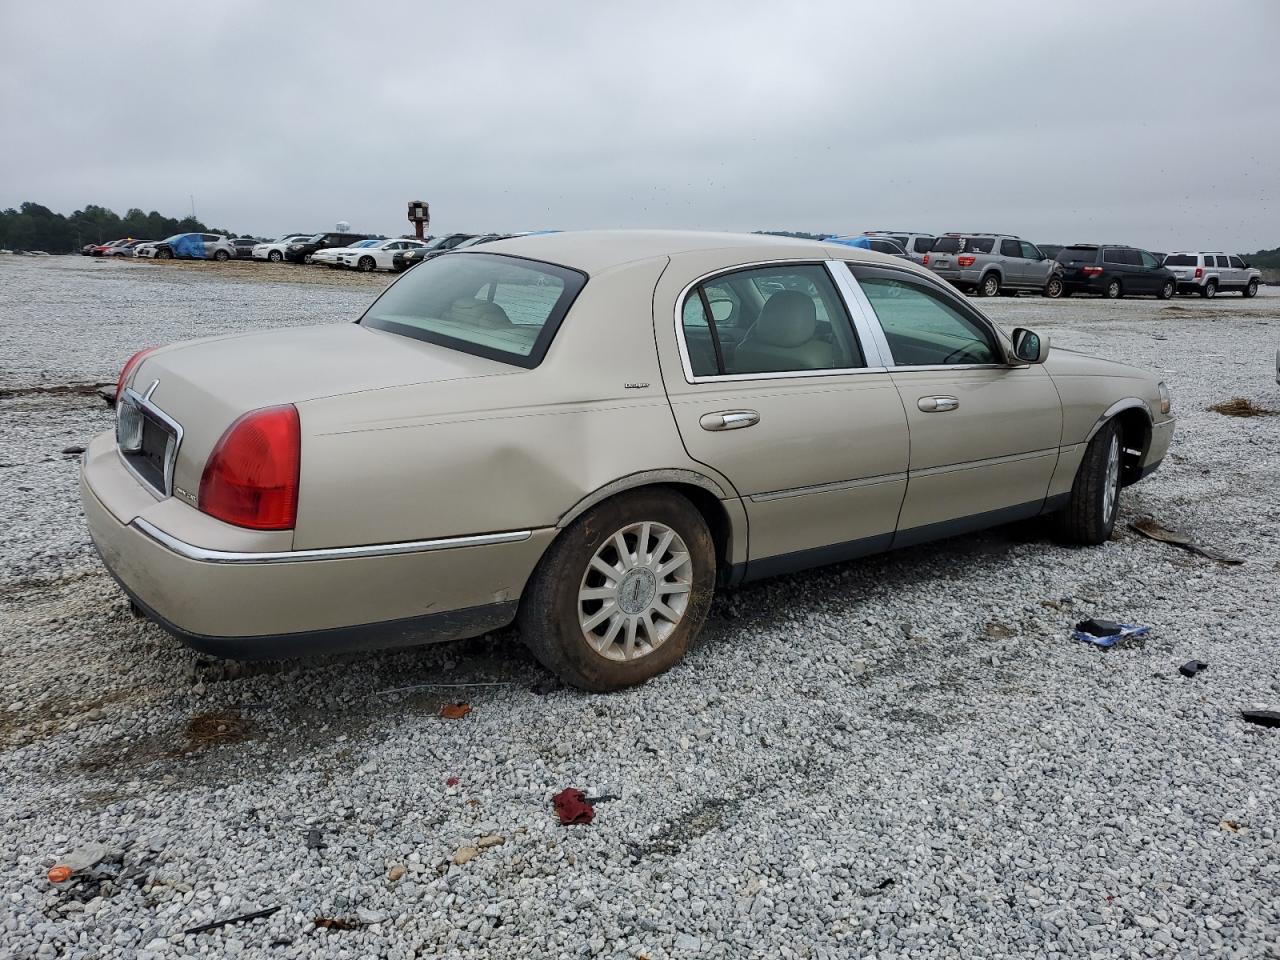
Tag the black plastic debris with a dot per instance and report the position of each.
(315, 839)
(1263, 718)
(73, 449)
(242, 918)
(1099, 628)
(1192, 667)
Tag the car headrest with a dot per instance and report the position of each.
(788, 319)
(478, 313)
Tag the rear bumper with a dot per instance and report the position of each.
(1096, 285)
(229, 603)
(1190, 286)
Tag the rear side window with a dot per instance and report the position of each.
(498, 307)
(1179, 260)
(948, 245)
(1222, 261)
(979, 244)
(924, 326)
(1077, 255)
(900, 241)
(780, 319)
(1111, 255)
(923, 244)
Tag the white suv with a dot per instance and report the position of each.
(1207, 273)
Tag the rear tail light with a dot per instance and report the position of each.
(1091, 271)
(129, 366)
(966, 259)
(251, 479)
(1199, 272)
(926, 260)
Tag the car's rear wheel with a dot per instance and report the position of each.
(990, 286)
(1252, 289)
(275, 256)
(1166, 292)
(366, 264)
(163, 254)
(1053, 289)
(1114, 290)
(221, 256)
(621, 593)
(1090, 513)
(1209, 290)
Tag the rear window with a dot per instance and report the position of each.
(1077, 255)
(1179, 260)
(503, 308)
(979, 244)
(947, 245)
(923, 244)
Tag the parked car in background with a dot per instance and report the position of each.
(377, 256)
(126, 249)
(328, 257)
(1114, 271)
(301, 249)
(273, 250)
(263, 495)
(146, 250)
(886, 245)
(916, 245)
(244, 247)
(994, 263)
(100, 249)
(1208, 273)
(195, 246)
(405, 259)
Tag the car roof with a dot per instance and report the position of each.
(597, 250)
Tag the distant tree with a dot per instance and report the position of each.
(34, 226)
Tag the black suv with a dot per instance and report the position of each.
(405, 259)
(1114, 271)
(304, 247)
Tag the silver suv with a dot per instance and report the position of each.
(994, 263)
(915, 245)
(1207, 273)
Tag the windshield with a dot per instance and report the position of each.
(947, 245)
(1180, 260)
(315, 239)
(498, 307)
(366, 243)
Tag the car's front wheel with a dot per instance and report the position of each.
(990, 286)
(1090, 513)
(1053, 289)
(621, 593)
(275, 256)
(366, 264)
(1114, 290)
(1252, 289)
(1166, 292)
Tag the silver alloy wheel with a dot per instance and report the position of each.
(1113, 290)
(1112, 492)
(991, 285)
(1054, 289)
(635, 591)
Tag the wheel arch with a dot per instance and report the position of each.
(1133, 416)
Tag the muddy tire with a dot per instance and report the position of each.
(1053, 289)
(275, 256)
(1252, 289)
(1166, 292)
(1090, 513)
(615, 600)
(1209, 290)
(1114, 290)
(990, 285)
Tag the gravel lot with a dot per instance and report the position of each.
(901, 757)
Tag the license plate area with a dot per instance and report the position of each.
(148, 441)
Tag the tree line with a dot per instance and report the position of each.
(35, 227)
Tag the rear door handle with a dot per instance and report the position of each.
(937, 404)
(729, 420)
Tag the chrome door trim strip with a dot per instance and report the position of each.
(687, 365)
(826, 487)
(988, 462)
(205, 555)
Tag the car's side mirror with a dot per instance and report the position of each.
(1029, 346)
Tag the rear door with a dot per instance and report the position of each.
(772, 387)
(1011, 261)
(984, 433)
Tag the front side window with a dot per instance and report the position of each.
(1148, 260)
(1010, 248)
(1237, 263)
(1030, 250)
(924, 326)
(499, 307)
(781, 319)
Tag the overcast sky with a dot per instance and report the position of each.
(1156, 124)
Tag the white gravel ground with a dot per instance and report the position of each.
(901, 757)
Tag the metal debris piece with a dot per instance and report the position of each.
(1150, 528)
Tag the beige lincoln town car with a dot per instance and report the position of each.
(588, 433)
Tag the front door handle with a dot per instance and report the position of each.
(937, 404)
(729, 420)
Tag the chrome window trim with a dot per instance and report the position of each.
(206, 555)
(143, 402)
(687, 366)
(946, 291)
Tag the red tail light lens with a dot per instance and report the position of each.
(251, 479)
(926, 260)
(966, 259)
(1091, 271)
(1199, 272)
(129, 366)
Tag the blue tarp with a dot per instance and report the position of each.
(189, 245)
(862, 243)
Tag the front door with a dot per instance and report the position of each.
(1015, 274)
(984, 433)
(772, 387)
